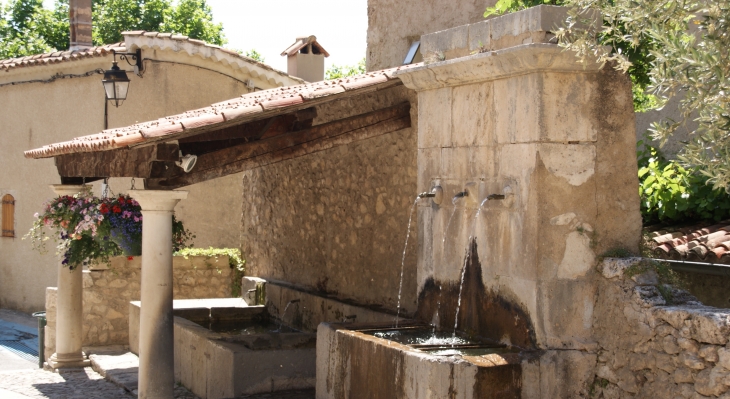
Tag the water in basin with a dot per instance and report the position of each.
(440, 343)
(419, 336)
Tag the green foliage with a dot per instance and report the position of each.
(234, 261)
(638, 54)
(667, 277)
(192, 18)
(337, 71)
(597, 383)
(672, 193)
(254, 55)
(20, 21)
(27, 28)
(616, 253)
(507, 6)
(689, 55)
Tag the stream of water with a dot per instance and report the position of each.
(403, 260)
(463, 268)
(281, 320)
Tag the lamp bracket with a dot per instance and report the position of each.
(135, 56)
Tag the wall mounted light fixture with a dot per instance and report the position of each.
(116, 81)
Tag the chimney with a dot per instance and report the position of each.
(79, 17)
(305, 59)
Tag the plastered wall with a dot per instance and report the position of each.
(35, 114)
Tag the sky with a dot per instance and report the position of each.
(270, 26)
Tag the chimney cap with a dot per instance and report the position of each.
(302, 42)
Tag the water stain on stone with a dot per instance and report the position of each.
(484, 312)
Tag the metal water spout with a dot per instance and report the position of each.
(436, 194)
(492, 197)
(460, 195)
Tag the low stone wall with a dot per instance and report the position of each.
(655, 341)
(310, 309)
(108, 291)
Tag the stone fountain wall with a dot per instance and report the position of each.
(556, 138)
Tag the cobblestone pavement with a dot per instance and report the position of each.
(78, 384)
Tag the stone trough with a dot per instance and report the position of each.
(354, 360)
(225, 348)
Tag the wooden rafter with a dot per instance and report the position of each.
(232, 149)
(289, 145)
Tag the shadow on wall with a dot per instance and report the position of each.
(483, 312)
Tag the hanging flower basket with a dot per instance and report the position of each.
(125, 219)
(93, 230)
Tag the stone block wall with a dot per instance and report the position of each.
(556, 140)
(394, 24)
(654, 343)
(107, 293)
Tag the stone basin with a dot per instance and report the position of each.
(353, 362)
(226, 348)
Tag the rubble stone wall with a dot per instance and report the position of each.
(335, 221)
(655, 341)
(107, 293)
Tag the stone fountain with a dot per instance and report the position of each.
(522, 121)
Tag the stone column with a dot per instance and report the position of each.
(156, 361)
(69, 309)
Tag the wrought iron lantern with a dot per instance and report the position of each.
(116, 81)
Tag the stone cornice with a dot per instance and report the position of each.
(492, 65)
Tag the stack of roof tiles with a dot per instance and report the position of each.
(246, 107)
(694, 243)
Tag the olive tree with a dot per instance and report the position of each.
(688, 57)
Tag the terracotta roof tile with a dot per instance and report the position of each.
(246, 107)
(57, 56)
(694, 243)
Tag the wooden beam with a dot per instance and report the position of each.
(123, 162)
(245, 131)
(289, 145)
(257, 129)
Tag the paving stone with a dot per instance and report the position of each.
(121, 368)
(82, 384)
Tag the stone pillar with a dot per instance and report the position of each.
(156, 361)
(69, 309)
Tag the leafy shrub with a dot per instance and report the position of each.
(672, 193)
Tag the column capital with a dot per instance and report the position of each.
(158, 200)
(68, 189)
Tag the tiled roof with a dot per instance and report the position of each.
(163, 41)
(168, 41)
(59, 56)
(301, 43)
(699, 243)
(251, 106)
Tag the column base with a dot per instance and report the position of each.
(56, 362)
